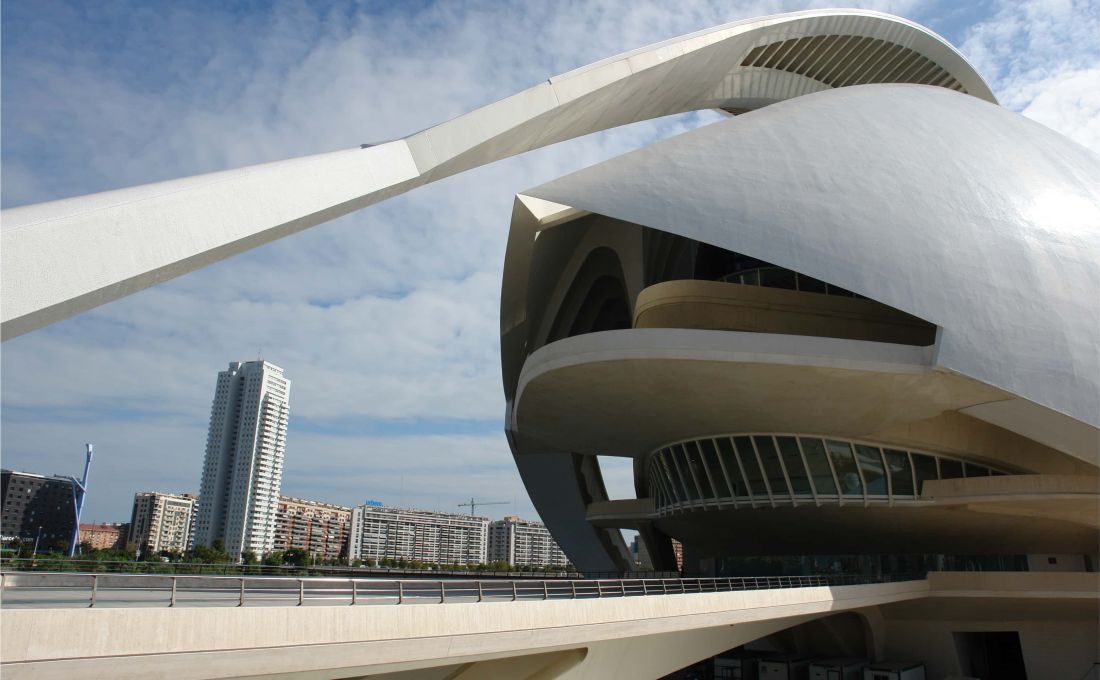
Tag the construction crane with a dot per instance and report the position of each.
(473, 505)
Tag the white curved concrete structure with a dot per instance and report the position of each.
(854, 330)
(999, 252)
(972, 235)
(593, 639)
(67, 256)
(900, 194)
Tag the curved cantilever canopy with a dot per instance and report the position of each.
(988, 228)
(64, 257)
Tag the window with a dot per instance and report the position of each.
(680, 465)
(845, 465)
(792, 460)
(810, 285)
(710, 458)
(697, 472)
(818, 467)
(950, 469)
(783, 466)
(775, 277)
(755, 477)
(774, 471)
(901, 474)
(973, 470)
(733, 470)
(924, 468)
(870, 463)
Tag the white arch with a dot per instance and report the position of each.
(64, 257)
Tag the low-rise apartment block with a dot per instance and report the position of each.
(161, 522)
(321, 529)
(104, 536)
(435, 537)
(522, 542)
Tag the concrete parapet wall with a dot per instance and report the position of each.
(331, 640)
(593, 638)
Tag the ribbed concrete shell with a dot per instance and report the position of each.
(67, 256)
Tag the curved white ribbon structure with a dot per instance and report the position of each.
(64, 257)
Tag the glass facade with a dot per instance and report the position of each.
(766, 468)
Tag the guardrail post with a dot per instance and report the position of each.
(354, 592)
(599, 589)
(442, 592)
(573, 588)
(645, 588)
(664, 586)
(240, 602)
(480, 595)
(545, 591)
(400, 592)
(172, 601)
(95, 587)
(514, 593)
(301, 592)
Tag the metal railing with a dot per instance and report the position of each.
(90, 590)
(778, 277)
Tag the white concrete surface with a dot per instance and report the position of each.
(630, 637)
(67, 256)
(996, 243)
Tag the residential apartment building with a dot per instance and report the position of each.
(321, 529)
(161, 521)
(104, 536)
(243, 469)
(437, 537)
(37, 508)
(521, 542)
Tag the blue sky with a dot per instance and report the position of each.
(385, 320)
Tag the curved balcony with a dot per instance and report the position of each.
(773, 300)
(784, 469)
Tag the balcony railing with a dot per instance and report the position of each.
(90, 590)
(777, 277)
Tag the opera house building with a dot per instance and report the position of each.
(849, 332)
(852, 329)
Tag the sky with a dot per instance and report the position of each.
(386, 320)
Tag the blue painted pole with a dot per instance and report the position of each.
(80, 489)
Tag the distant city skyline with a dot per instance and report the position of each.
(387, 318)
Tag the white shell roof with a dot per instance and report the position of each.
(941, 205)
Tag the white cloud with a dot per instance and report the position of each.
(385, 317)
(1042, 58)
(1070, 103)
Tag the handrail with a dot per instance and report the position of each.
(754, 276)
(175, 590)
